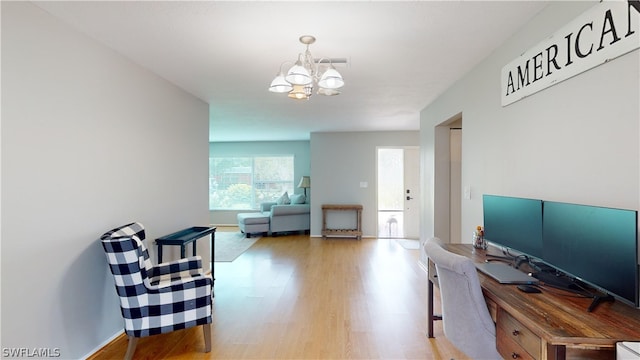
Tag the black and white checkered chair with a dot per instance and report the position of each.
(156, 299)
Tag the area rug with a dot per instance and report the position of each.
(408, 244)
(231, 244)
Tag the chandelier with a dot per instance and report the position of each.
(306, 72)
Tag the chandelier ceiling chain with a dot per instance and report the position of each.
(301, 77)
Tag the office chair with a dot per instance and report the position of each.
(466, 320)
(156, 299)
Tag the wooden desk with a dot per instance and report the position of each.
(545, 325)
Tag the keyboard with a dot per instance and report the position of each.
(505, 274)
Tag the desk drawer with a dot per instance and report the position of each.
(515, 338)
(509, 349)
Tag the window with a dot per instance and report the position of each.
(246, 181)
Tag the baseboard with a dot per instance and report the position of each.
(104, 344)
(346, 236)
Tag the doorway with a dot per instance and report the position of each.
(398, 192)
(447, 180)
(455, 178)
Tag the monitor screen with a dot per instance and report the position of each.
(515, 223)
(595, 244)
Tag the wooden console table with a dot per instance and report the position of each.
(547, 325)
(328, 231)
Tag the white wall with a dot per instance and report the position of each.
(90, 141)
(577, 141)
(301, 165)
(339, 162)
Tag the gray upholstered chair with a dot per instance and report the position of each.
(156, 299)
(466, 320)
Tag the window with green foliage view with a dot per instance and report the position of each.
(244, 182)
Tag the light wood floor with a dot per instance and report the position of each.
(296, 297)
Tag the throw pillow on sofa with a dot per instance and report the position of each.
(284, 199)
(298, 199)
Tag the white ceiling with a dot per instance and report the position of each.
(402, 55)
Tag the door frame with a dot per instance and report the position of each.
(442, 179)
(418, 190)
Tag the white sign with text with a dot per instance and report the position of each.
(604, 32)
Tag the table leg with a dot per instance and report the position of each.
(194, 247)
(431, 317)
(556, 352)
(182, 251)
(159, 254)
(430, 308)
(213, 250)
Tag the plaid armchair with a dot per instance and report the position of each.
(156, 299)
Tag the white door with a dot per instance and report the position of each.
(412, 193)
(398, 188)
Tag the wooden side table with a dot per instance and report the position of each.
(328, 231)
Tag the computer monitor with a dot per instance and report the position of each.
(597, 245)
(514, 223)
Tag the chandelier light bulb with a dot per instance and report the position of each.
(298, 75)
(300, 92)
(280, 85)
(331, 79)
